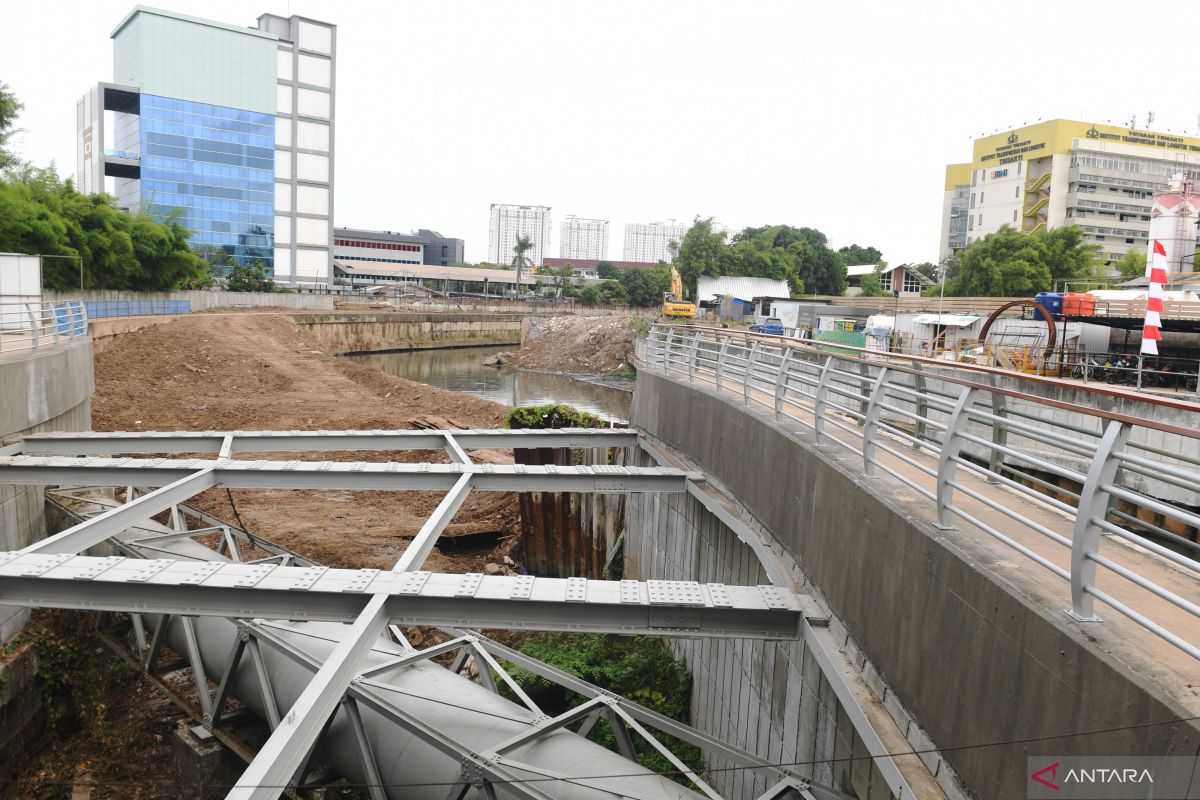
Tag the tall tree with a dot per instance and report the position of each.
(520, 260)
(645, 287)
(1067, 254)
(1133, 265)
(608, 271)
(1006, 263)
(10, 109)
(856, 254)
(700, 253)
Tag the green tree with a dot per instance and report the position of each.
(700, 254)
(608, 271)
(1067, 254)
(645, 287)
(612, 293)
(248, 278)
(557, 277)
(871, 284)
(10, 109)
(520, 261)
(1133, 265)
(39, 213)
(1006, 263)
(589, 295)
(856, 254)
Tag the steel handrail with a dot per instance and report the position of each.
(36, 324)
(869, 403)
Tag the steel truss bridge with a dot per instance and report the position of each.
(319, 653)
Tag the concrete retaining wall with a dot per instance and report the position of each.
(45, 391)
(204, 300)
(364, 333)
(769, 698)
(974, 653)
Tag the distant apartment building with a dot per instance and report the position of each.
(423, 247)
(510, 222)
(1062, 172)
(228, 129)
(583, 238)
(648, 241)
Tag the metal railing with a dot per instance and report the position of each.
(34, 325)
(1017, 466)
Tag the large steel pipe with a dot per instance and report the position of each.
(458, 708)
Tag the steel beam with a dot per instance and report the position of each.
(56, 443)
(391, 476)
(520, 602)
(290, 743)
(92, 532)
(419, 548)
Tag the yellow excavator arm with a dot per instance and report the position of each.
(673, 303)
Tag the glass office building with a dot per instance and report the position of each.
(212, 168)
(227, 129)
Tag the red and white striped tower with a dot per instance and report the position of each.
(1152, 327)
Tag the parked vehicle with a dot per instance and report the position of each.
(771, 325)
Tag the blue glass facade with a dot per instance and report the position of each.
(213, 167)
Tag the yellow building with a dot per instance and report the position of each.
(1062, 172)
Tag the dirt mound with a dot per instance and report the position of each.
(261, 372)
(577, 344)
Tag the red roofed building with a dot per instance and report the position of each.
(591, 264)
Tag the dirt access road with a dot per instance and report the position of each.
(261, 372)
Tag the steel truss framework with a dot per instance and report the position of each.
(283, 586)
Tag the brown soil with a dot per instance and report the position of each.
(251, 371)
(261, 372)
(577, 344)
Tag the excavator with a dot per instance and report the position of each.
(673, 303)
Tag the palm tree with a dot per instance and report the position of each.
(520, 260)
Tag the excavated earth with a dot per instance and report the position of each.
(241, 371)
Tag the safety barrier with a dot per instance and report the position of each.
(945, 432)
(102, 309)
(36, 325)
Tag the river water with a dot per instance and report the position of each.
(462, 370)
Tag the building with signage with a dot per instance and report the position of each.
(509, 222)
(650, 241)
(583, 238)
(228, 129)
(1062, 172)
(423, 247)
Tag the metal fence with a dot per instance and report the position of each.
(987, 456)
(34, 325)
(101, 309)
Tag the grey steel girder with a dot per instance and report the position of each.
(98, 443)
(388, 476)
(473, 600)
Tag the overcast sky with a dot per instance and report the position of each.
(839, 116)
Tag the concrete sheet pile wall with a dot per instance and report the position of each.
(363, 333)
(974, 650)
(767, 697)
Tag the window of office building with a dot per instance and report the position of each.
(310, 167)
(283, 197)
(283, 132)
(283, 99)
(283, 166)
(312, 200)
(312, 231)
(317, 38)
(283, 65)
(283, 230)
(314, 70)
(212, 168)
(312, 103)
(312, 135)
